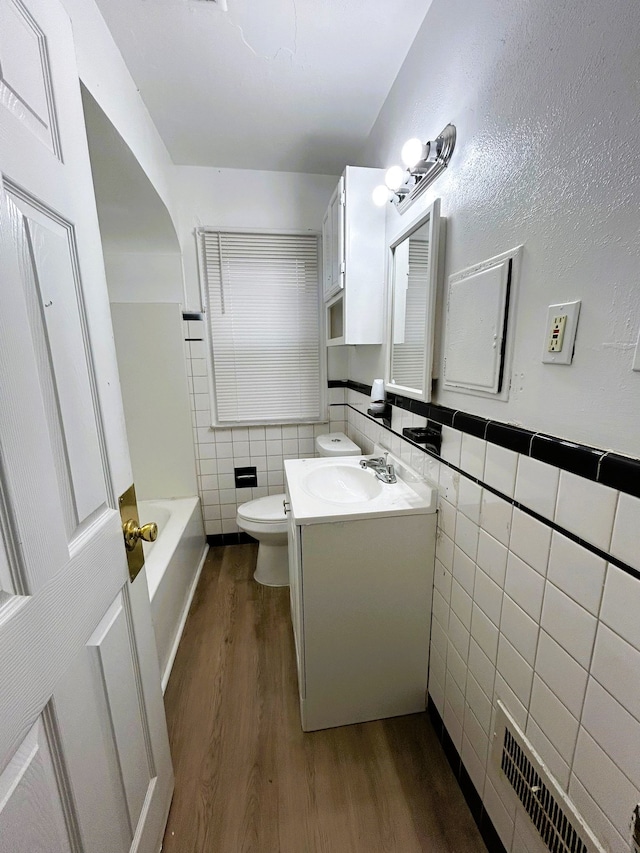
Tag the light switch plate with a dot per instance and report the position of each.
(571, 311)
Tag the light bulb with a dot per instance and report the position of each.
(394, 178)
(412, 152)
(380, 195)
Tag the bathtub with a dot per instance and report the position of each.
(173, 564)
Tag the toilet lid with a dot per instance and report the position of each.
(263, 509)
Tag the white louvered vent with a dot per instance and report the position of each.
(553, 815)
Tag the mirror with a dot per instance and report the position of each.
(413, 277)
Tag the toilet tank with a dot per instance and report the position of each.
(336, 444)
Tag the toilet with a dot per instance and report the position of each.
(265, 519)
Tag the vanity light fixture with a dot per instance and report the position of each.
(424, 162)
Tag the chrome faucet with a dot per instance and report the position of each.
(382, 469)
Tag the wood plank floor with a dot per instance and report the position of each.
(249, 780)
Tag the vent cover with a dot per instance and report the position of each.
(553, 815)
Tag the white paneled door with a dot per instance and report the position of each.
(84, 755)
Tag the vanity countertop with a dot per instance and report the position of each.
(362, 498)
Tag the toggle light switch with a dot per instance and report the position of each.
(560, 334)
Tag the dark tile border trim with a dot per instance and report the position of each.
(619, 472)
(602, 466)
(230, 539)
(472, 797)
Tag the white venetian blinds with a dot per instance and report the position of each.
(262, 302)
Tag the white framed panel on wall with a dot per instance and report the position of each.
(478, 342)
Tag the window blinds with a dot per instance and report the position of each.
(262, 301)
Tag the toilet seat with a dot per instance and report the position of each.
(267, 512)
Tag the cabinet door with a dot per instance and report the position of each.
(334, 257)
(295, 596)
(327, 254)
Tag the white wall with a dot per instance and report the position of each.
(155, 393)
(103, 72)
(236, 198)
(544, 98)
(144, 277)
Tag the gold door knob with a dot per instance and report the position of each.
(148, 532)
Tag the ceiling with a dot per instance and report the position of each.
(284, 85)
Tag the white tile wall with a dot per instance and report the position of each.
(605, 782)
(624, 544)
(561, 673)
(586, 509)
(523, 613)
(555, 720)
(451, 445)
(500, 469)
(548, 753)
(519, 628)
(621, 604)
(472, 455)
(469, 499)
(530, 540)
(569, 624)
(537, 485)
(219, 450)
(576, 571)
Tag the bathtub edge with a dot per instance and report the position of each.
(183, 620)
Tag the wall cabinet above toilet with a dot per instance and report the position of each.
(353, 250)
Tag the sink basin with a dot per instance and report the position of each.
(325, 490)
(342, 484)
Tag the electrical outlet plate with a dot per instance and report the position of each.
(560, 332)
(557, 333)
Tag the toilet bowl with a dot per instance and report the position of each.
(265, 519)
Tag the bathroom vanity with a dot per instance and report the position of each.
(361, 564)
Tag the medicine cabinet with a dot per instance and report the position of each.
(414, 262)
(353, 249)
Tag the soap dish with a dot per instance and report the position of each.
(430, 436)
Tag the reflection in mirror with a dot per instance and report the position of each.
(413, 278)
(410, 286)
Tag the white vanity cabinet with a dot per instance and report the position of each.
(361, 609)
(353, 250)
